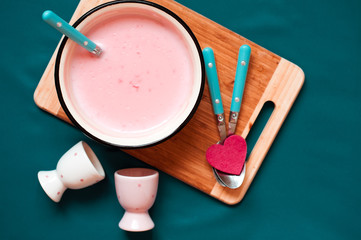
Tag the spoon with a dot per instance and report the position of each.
(215, 92)
(224, 179)
(59, 24)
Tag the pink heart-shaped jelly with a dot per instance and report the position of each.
(230, 156)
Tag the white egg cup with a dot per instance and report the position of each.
(78, 168)
(136, 190)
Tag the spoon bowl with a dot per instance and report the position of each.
(229, 180)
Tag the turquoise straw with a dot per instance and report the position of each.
(59, 24)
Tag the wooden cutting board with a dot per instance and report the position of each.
(270, 78)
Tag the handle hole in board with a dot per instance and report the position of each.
(258, 126)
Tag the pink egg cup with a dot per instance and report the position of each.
(78, 168)
(136, 190)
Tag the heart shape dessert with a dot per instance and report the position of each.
(230, 156)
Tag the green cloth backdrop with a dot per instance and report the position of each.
(308, 186)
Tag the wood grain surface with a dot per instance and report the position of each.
(270, 78)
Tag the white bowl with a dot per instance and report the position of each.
(150, 135)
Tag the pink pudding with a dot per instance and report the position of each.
(144, 78)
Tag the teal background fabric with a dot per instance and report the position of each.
(308, 186)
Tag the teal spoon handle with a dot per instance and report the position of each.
(59, 24)
(240, 79)
(212, 78)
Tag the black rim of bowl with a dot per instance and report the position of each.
(59, 91)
